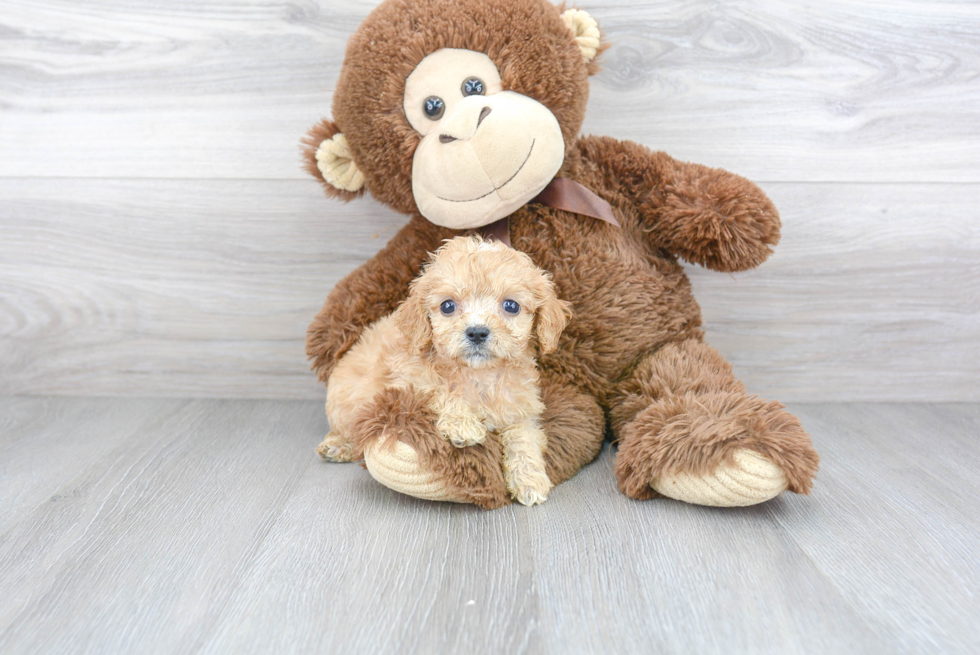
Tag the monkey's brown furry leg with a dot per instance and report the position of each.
(430, 467)
(687, 429)
(575, 427)
(397, 437)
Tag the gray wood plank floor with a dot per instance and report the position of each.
(208, 526)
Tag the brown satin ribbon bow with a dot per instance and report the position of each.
(561, 193)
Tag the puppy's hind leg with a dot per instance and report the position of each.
(354, 382)
(335, 447)
(524, 468)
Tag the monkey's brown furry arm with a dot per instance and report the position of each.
(707, 216)
(371, 291)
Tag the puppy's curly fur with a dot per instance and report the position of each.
(465, 339)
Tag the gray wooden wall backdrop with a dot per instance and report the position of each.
(157, 236)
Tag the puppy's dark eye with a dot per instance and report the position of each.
(473, 86)
(511, 307)
(434, 107)
(447, 307)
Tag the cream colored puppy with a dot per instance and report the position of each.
(465, 339)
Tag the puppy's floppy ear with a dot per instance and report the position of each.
(412, 318)
(327, 157)
(552, 315)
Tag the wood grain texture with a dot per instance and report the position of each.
(213, 529)
(905, 534)
(181, 288)
(872, 294)
(139, 552)
(170, 287)
(836, 91)
(45, 442)
(157, 236)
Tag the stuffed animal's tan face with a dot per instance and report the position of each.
(458, 110)
(484, 151)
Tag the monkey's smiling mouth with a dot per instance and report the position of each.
(495, 189)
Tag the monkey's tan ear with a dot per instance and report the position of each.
(327, 157)
(586, 31)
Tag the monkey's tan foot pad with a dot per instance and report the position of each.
(749, 480)
(398, 468)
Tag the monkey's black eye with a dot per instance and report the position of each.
(434, 107)
(447, 307)
(473, 87)
(511, 307)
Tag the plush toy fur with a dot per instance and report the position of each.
(633, 359)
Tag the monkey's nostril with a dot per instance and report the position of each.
(445, 138)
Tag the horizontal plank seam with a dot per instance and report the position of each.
(791, 404)
(308, 179)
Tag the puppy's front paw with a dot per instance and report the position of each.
(462, 431)
(531, 488)
(335, 448)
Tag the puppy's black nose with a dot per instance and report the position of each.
(477, 333)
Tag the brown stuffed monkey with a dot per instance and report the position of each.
(465, 115)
